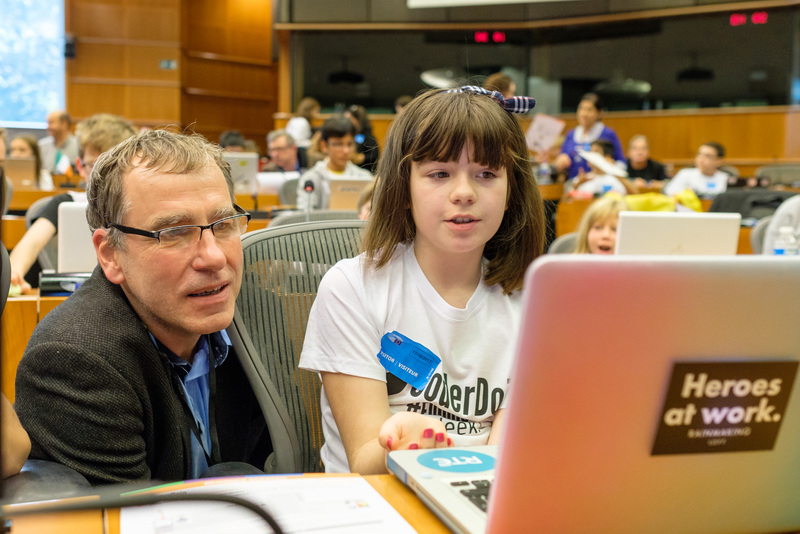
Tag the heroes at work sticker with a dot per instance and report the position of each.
(724, 406)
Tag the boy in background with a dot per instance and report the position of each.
(704, 178)
(338, 144)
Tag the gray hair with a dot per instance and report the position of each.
(275, 134)
(155, 150)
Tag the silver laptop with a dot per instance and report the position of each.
(668, 232)
(21, 171)
(244, 170)
(345, 192)
(669, 408)
(76, 252)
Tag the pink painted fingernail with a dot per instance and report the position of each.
(440, 437)
(389, 443)
(413, 446)
(427, 433)
(449, 441)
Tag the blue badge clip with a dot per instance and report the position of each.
(407, 360)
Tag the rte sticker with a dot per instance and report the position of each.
(456, 461)
(407, 360)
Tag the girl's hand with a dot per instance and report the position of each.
(408, 430)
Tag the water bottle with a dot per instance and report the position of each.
(544, 173)
(786, 244)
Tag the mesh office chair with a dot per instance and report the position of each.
(287, 194)
(757, 234)
(563, 244)
(293, 217)
(48, 257)
(282, 270)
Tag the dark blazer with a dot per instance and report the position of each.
(96, 395)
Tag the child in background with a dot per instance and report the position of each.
(604, 175)
(597, 231)
(456, 220)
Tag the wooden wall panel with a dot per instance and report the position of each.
(237, 78)
(229, 81)
(144, 105)
(117, 67)
(129, 62)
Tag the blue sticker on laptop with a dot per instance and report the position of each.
(456, 461)
(407, 360)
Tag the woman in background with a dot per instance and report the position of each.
(367, 150)
(26, 146)
(299, 126)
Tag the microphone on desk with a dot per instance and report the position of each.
(308, 187)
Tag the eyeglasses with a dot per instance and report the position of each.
(182, 236)
(339, 145)
(278, 148)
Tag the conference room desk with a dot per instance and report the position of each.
(99, 522)
(12, 229)
(22, 198)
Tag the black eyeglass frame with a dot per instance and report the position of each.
(156, 234)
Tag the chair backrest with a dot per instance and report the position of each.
(757, 234)
(750, 203)
(292, 217)
(563, 244)
(282, 270)
(48, 257)
(287, 194)
(778, 175)
(8, 192)
(5, 277)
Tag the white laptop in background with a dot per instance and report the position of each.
(669, 232)
(675, 409)
(244, 170)
(345, 192)
(76, 252)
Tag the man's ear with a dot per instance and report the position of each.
(323, 145)
(107, 256)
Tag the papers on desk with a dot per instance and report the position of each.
(543, 132)
(299, 503)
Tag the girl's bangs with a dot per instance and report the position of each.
(459, 120)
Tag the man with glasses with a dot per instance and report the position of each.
(134, 377)
(704, 178)
(339, 144)
(284, 154)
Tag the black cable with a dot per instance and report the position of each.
(87, 503)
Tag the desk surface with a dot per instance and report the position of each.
(97, 522)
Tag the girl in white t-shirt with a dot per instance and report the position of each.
(456, 219)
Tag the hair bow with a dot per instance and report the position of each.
(515, 104)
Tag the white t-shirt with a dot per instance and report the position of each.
(300, 130)
(602, 184)
(698, 182)
(354, 309)
(787, 214)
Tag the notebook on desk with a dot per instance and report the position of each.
(345, 192)
(669, 232)
(76, 252)
(669, 408)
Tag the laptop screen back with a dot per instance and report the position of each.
(659, 232)
(76, 252)
(21, 171)
(603, 343)
(244, 171)
(345, 192)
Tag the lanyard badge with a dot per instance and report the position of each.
(407, 360)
